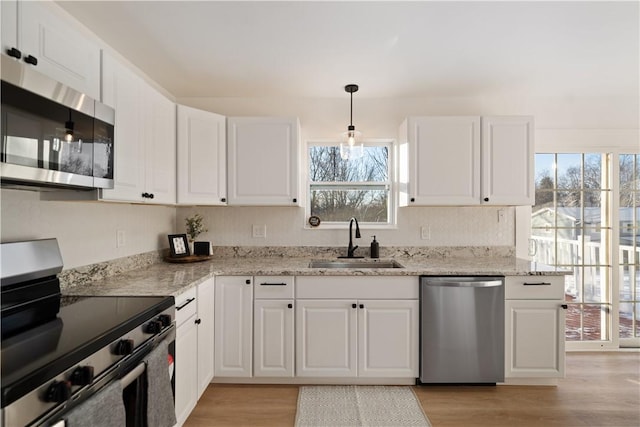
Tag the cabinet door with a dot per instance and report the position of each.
(9, 16)
(444, 160)
(507, 161)
(273, 338)
(205, 334)
(63, 52)
(233, 326)
(388, 338)
(263, 161)
(186, 365)
(534, 338)
(160, 148)
(202, 160)
(122, 91)
(326, 338)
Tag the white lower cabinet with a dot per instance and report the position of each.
(233, 326)
(326, 338)
(366, 334)
(194, 346)
(534, 323)
(388, 338)
(273, 338)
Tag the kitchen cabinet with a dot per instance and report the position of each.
(41, 34)
(534, 327)
(508, 161)
(357, 326)
(233, 326)
(262, 167)
(466, 160)
(273, 330)
(194, 346)
(201, 157)
(145, 169)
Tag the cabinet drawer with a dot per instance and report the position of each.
(273, 287)
(534, 287)
(186, 306)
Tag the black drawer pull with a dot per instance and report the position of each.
(537, 284)
(189, 301)
(14, 53)
(273, 284)
(30, 59)
(564, 306)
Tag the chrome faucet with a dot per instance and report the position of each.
(351, 249)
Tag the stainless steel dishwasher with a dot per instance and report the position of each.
(461, 330)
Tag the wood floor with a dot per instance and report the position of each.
(600, 389)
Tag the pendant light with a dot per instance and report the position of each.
(351, 146)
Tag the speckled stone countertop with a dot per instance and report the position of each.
(172, 279)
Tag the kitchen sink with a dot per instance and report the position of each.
(327, 263)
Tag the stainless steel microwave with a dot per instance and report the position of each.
(52, 136)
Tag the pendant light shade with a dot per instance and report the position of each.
(351, 146)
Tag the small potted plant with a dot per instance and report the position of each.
(195, 227)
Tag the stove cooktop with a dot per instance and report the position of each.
(82, 326)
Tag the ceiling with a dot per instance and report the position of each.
(391, 49)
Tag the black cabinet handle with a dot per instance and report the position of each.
(361, 305)
(29, 59)
(189, 301)
(14, 53)
(151, 195)
(486, 199)
(273, 284)
(289, 305)
(353, 305)
(145, 195)
(198, 321)
(537, 284)
(223, 200)
(564, 306)
(248, 281)
(295, 200)
(413, 199)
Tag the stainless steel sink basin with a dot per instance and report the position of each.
(327, 263)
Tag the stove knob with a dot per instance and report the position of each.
(123, 348)
(165, 319)
(58, 392)
(82, 375)
(153, 327)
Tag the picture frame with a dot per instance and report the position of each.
(178, 245)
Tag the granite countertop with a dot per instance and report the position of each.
(173, 279)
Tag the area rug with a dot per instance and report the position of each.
(350, 406)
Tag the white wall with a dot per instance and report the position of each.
(86, 231)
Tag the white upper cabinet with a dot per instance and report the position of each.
(145, 150)
(466, 160)
(508, 161)
(440, 161)
(262, 167)
(40, 34)
(202, 161)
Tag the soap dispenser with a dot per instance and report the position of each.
(375, 248)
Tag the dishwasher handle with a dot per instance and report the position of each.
(464, 283)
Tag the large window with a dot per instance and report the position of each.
(340, 189)
(571, 228)
(588, 222)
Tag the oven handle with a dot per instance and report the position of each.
(133, 374)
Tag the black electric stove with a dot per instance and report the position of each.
(56, 349)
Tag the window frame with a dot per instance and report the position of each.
(392, 198)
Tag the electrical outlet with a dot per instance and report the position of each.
(425, 232)
(501, 215)
(259, 231)
(120, 238)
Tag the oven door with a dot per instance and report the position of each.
(136, 385)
